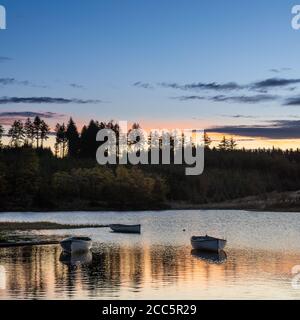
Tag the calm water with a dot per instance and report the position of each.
(158, 264)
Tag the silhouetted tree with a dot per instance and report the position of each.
(40, 131)
(44, 132)
(29, 132)
(61, 138)
(17, 133)
(37, 123)
(232, 144)
(73, 139)
(207, 140)
(88, 143)
(224, 144)
(1, 134)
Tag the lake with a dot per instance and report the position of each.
(262, 249)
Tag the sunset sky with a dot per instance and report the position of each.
(230, 67)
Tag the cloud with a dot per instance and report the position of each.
(293, 101)
(238, 116)
(235, 99)
(76, 86)
(274, 70)
(202, 86)
(273, 83)
(7, 118)
(245, 99)
(30, 114)
(13, 81)
(279, 129)
(187, 98)
(5, 59)
(262, 86)
(143, 85)
(46, 100)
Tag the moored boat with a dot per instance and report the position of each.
(76, 244)
(207, 243)
(124, 228)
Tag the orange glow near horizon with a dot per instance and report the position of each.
(159, 124)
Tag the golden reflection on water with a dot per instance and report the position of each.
(146, 272)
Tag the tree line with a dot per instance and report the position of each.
(72, 143)
(34, 177)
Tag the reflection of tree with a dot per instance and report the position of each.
(117, 271)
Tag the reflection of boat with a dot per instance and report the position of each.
(213, 257)
(76, 244)
(123, 228)
(208, 243)
(75, 259)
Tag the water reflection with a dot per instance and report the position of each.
(211, 257)
(140, 272)
(76, 259)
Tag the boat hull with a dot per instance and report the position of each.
(71, 245)
(209, 244)
(120, 228)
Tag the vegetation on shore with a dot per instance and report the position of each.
(27, 226)
(33, 178)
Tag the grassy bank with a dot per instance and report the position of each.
(27, 226)
(274, 201)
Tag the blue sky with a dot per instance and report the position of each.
(95, 51)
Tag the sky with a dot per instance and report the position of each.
(230, 67)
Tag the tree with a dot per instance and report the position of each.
(17, 133)
(207, 140)
(44, 132)
(88, 143)
(40, 131)
(61, 138)
(224, 144)
(29, 131)
(73, 139)
(232, 144)
(36, 130)
(1, 134)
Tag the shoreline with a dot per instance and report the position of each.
(274, 202)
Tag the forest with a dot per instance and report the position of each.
(67, 177)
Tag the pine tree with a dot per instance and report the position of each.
(1, 134)
(232, 144)
(44, 132)
(73, 139)
(17, 133)
(207, 140)
(36, 130)
(88, 141)
(29, 131)
(61, 138)
(224, 144)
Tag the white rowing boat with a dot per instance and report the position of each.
(124, 228)
(207, 243)
(76, 244)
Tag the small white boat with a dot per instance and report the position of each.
(124, 228)
(76, 244)
(208, 243)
